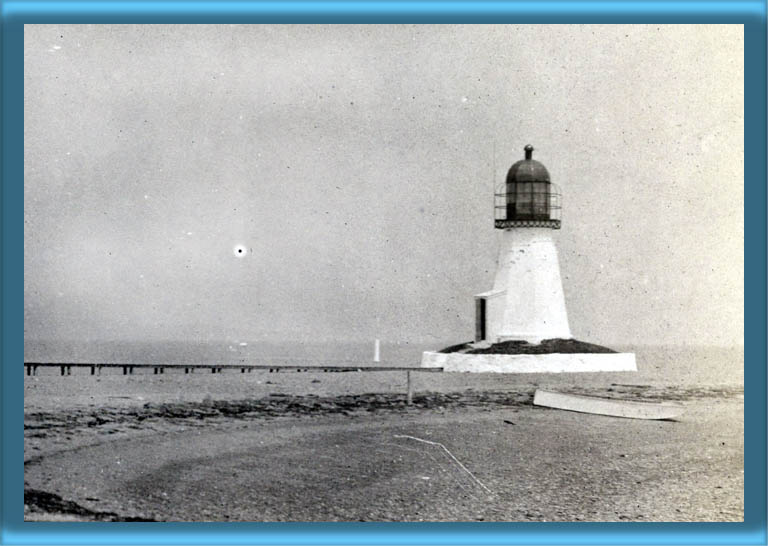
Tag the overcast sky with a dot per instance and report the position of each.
(356, 165)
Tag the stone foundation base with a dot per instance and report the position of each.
(546, 363)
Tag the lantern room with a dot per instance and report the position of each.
(528, 198)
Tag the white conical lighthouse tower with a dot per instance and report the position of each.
(521, 324)
(526, 302)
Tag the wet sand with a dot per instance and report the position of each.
(347, 447)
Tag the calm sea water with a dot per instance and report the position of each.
(714, 365)
(296, 353)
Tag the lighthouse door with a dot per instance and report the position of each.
(479, 319)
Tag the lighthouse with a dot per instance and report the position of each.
(521, 324)
(526, 302)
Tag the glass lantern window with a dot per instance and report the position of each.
(540, 201)
(528, 200)
(524, 199)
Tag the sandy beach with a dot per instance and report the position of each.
(346, 447)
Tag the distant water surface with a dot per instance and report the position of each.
(266, 352)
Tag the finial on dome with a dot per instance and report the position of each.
(528, 152)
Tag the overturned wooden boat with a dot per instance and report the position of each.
(608, 406)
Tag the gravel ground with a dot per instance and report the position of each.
(346, 446)
(364, 457)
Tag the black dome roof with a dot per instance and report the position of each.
(528, 169)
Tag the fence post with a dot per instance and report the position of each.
(409, 395)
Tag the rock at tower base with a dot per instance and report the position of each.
(541, 363)
(549, 356)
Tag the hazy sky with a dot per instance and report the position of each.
(356, 165)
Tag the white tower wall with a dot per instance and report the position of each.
(528, 274)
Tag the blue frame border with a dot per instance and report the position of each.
(750, 13)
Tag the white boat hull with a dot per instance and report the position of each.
(606, 406)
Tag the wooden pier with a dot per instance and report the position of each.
(128, 369)
(158, 369)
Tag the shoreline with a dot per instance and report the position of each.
(91, 433)
(126, 441)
